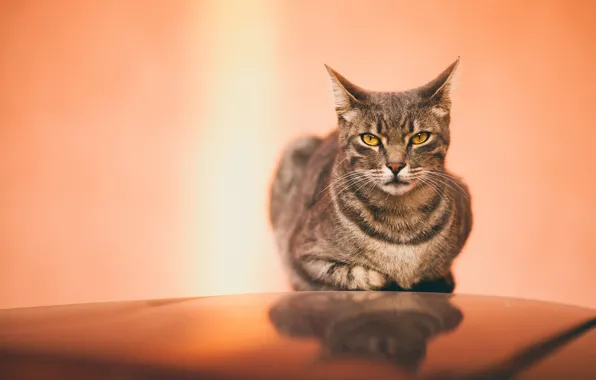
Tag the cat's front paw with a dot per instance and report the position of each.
(368, 279)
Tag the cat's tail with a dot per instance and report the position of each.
(288, 174)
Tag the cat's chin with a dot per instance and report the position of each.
(398, 188)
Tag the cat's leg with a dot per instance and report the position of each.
(339, 275)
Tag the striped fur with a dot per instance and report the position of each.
(343, 220)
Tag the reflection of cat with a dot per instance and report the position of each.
(389, 326)
(396, 327)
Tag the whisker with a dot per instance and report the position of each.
(348, 183)
(339, 179)
(373, 180)
(344, 187)
(444, 177)
(439, 180)
(433, 186)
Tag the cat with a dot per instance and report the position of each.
(371, 205)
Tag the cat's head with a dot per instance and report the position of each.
(393, 137)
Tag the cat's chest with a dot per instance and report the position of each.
(403, 263)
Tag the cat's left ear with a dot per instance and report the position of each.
(438, 91)
(347, 96)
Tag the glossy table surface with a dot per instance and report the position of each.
(324, 335)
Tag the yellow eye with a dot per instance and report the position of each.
(371, 140)
(420, 138)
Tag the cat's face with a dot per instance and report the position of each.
(393, 139)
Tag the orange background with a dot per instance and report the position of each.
(137, 139)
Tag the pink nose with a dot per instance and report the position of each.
(395, 167)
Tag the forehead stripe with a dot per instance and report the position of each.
(415, 125)
(408, 126)
(379, 126)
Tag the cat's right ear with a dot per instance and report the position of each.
(347, 96)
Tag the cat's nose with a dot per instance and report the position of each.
(395, 167)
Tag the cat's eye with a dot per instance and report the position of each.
(371, 140)
(419, 138)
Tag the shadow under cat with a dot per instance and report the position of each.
(443, 285)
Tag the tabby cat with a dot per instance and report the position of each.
(371, 206)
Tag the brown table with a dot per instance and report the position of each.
(325, 335)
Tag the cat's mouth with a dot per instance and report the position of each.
(396, 181)
(398, 186)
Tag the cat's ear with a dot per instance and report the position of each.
(438, 91)
(347, 96)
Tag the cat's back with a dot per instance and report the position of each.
(303, 171)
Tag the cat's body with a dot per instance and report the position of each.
(340, 222)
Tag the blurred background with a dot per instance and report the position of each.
(138, 138)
